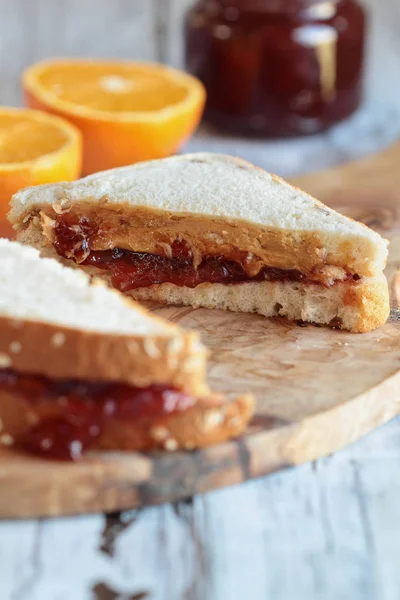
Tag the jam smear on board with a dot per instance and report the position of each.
(81, 410)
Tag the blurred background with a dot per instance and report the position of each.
(32, 30)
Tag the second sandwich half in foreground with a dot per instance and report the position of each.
(83, 367)
(213, 231)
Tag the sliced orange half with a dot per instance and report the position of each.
(127, 112)
(35, 148)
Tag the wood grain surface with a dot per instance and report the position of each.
(317, 389)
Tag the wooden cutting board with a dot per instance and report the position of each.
(317, 389)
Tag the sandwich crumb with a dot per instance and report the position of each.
(58, 339)
(5, 361)
(15, 347)
(170, 445)
(6, 439)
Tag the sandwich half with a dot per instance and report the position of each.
(83, 367)
(212, 231)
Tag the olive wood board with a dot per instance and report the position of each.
(317, 389)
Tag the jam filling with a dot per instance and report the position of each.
(131, 270)
(81, 410)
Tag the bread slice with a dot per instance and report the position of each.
(56, 323)
(220, 206)
(358, 307)
(64, 326)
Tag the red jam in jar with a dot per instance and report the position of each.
(277, 67)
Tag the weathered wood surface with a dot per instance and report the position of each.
(324, 531)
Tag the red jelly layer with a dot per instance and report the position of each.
(132, 270)
(82, 409)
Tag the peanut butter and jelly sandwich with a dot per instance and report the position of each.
(208, 230)
(84, 368)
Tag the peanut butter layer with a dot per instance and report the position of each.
(149, 231)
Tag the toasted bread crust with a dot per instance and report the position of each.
(61, 353)
(370, 304)
(210, 421)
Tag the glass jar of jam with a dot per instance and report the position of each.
(277, 67)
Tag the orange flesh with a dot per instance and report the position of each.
(119, 89)
(25, 140)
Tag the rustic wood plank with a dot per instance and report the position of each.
(320, 532)
(379, 489)
(19, 544)
(306, 531)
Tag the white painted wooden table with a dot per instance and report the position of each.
(326, 531)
